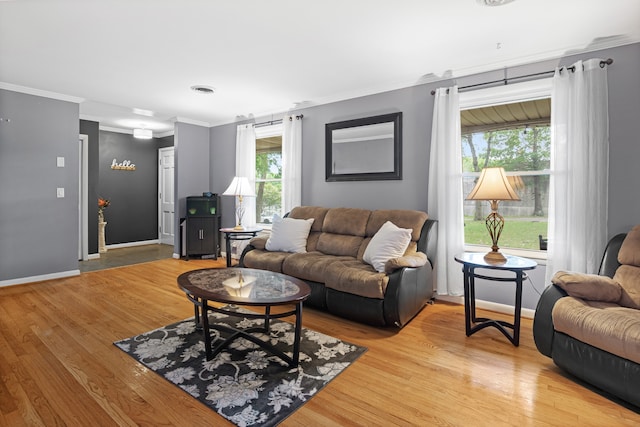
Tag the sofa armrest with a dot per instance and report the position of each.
(543, 331)
(414, 260)
(258, 242)
(588, 286)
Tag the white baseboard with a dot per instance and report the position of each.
(176, 256)
(93, 256)
(51, 276)
(132, 244)
(488, 305)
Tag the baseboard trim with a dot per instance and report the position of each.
(489, 305)
(132, 244)
(43, 277)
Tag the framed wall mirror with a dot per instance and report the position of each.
(367, 149)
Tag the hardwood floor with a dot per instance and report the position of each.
(59, 366)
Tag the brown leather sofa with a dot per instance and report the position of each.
(341, 282)
(590, 324)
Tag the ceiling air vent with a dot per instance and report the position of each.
(207, 90)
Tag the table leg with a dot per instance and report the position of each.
(296, 342)
(205, 330)
(228, 247)
(467, 299)
(518, 309)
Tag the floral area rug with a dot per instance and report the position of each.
(244, 383)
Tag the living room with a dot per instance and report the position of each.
(39, 230)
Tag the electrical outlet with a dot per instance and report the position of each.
(60, 192)
(60, 162)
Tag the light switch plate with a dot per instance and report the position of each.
(60, 192)
(60, 162)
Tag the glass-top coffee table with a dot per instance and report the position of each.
(248, 287)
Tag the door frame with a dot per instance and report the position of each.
(83, 196)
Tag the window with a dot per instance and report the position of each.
(268, 173)
(513, 134)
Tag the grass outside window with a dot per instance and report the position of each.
(520, 233)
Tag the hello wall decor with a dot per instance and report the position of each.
(125, 165)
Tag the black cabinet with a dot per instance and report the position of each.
(203, 225)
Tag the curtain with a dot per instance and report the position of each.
(578, 194)
(291, 163)
(445, 190)
(246, 166)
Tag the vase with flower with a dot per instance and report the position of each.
(102, 205)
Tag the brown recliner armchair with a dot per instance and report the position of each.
(590, 324)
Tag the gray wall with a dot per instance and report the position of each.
(38, 231)
(416, 104)
(192, 166)
(133, 213)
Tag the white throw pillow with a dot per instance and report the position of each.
(389, 242)
(289, 234)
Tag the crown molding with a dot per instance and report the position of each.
(40, 92)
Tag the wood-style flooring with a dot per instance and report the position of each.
(59, 366)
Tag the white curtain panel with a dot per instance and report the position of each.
(246, 166)
(578, 195)
(445, 190)
(291, 163)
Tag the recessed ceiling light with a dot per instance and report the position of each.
(207, 90)
(142, 133)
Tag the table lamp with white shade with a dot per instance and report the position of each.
(493, 186)
(239, 188)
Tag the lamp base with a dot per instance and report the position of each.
(495, 257)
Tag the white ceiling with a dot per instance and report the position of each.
(117, 57)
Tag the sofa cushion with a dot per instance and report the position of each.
(306, 212)
(343, 231)
(310, 265)
(356, 277)
(390, 241)
(348, 221)
(604, 325)
(289, 234)
(588, 286)
(629, 278)
(413, 220)
(339, 244)
(318, 214)
(265, 260)
(630, 250)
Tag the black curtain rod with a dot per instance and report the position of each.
(276, 122)
(506, 80)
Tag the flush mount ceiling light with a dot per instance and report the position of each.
(206, 90)
(142, 133)
(493, 2)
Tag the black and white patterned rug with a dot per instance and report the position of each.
(244, 383)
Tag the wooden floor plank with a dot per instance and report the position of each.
(58, 364)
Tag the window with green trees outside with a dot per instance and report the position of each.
(517, 137)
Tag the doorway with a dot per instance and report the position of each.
(166, 204)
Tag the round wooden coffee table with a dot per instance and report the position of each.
(248, 287)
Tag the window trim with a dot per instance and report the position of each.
(516, 92)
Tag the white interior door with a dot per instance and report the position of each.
(166, 206)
